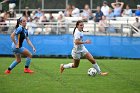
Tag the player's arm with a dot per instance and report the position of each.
(13, 37)
(78, 42)
(30, 43)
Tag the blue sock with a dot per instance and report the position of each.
(13, 65)
(28, 61)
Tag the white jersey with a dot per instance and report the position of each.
(78, 48)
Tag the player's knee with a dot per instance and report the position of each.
(18, 60)
(75, 66)
(30, 56)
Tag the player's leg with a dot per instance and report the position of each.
(14, 63)
(75, 64)
(28, 61)
(95, 65)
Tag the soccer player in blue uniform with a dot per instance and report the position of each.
(18, 37)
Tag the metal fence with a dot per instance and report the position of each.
(46, 28)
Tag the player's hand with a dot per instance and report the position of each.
(88, 41)
(34, 49)
(17, 46)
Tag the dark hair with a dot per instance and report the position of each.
(104, 2)
(77, 23)
(137, 19)
(18, 22)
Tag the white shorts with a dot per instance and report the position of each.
(78, 55)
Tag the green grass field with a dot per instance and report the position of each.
(124, 77)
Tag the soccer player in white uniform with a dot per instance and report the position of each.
(79, 50)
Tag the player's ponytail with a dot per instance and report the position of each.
(74, 30)
(77, 23)
(18, 22)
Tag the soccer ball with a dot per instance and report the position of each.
(92, 72)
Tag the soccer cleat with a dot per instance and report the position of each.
(7, 72)
(27, 70)
(61, 68)
(104, 73)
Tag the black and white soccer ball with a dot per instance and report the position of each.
(92, 72)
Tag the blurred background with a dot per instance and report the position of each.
(113, 25)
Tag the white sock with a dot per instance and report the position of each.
(68, 65)
(97, 68)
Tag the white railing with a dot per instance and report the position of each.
(121, 27)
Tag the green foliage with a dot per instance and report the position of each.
(123, 77)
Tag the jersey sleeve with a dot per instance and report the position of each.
(18, 30)
(77, 35)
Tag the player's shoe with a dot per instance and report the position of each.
(104, 73)
(61, 68)
(27, 70)
(7, 72)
